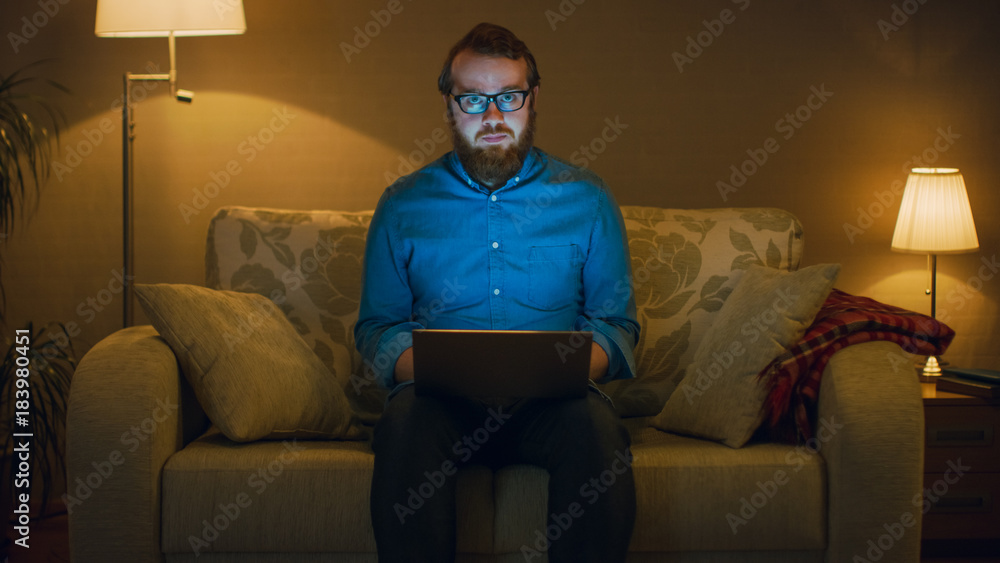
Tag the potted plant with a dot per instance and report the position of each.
(29, 130)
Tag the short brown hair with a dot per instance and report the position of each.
(491, 40)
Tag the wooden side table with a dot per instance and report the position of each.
(961, 466)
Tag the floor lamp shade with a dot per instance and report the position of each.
(935, 216)
(160, 18)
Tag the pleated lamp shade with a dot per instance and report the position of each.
(935, 216)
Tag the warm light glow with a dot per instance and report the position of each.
(935, 216)
(158, 18)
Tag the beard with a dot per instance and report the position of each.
(493, 166)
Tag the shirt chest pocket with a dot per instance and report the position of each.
(554, 275)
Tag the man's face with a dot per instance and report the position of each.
(491, 145)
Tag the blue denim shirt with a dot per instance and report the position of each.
(546, 251)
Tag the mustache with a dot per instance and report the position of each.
(493, 130)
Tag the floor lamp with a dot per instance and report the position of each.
(156, 18)
(935, 218)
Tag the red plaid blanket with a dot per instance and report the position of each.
(793, 378)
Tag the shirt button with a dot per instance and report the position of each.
(517, 178)
(496, 245)
(496, 292)
(493, 197)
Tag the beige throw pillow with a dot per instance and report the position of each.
(720, 397)
(252, 373)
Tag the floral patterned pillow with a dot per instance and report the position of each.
(685, 263)
(309, 264)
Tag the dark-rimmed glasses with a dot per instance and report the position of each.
(505, 101)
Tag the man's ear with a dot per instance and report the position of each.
(534, 96)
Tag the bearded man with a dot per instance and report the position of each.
(497, 235)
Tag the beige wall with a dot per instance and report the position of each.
(338, 128)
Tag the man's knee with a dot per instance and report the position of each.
(587, 427)
(415, 420)
(591, 411)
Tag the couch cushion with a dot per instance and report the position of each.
(685, 263)
(693, 495)
(304, 496)
(251, 372)
(310, 263)
(721, 397)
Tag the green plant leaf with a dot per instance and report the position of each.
(29, 127)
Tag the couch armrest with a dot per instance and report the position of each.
(870, 402)
(129, 410)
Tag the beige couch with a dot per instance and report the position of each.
(150, 480)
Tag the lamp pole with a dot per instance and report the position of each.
(128, 137)
(155, 18)
(932, 367)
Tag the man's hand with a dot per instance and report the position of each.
(598, 362)
(404, 366)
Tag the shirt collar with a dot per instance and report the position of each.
(528, 169)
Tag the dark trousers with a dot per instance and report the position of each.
(421, 441)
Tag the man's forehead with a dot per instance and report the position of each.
(474, 72)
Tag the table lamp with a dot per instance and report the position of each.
(935, 218)
(157, 18)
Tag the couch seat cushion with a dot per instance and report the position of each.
(291, 496)
(698, 495)
(693, 495)
(690, 496)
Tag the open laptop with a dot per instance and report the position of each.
(501, 363)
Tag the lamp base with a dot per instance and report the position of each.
(930, 370)
(932, 367)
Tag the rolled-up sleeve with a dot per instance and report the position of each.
(609, 304)
(384, 327)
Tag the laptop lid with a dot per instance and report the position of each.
(501, 363)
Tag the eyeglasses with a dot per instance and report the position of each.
(505, 101)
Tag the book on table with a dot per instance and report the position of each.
(985, 375)
(969, 381)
